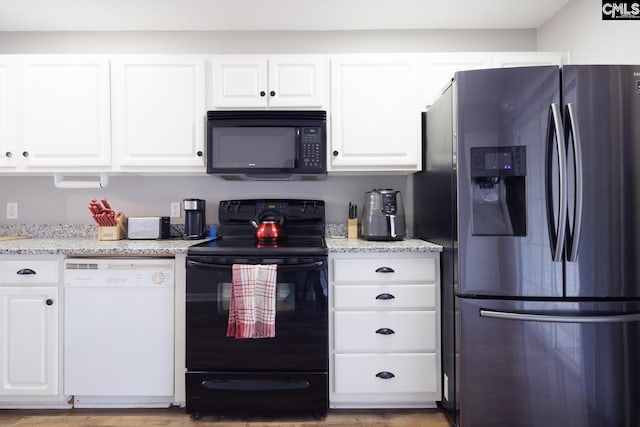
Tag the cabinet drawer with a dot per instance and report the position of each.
(28, 271)
(385, 331)
(386, 373)
(384, 296)
(384, 269)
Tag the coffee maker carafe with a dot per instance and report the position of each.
(383, 215)
(195, 223)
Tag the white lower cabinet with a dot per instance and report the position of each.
(30, 332)
(384, 330)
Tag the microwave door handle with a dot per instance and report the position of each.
(298, 142)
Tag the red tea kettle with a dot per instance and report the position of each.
(268, 228)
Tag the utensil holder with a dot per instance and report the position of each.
(115, 232)
(352, 228)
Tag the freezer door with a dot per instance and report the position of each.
(532, 364)
(602, 110)
(508, 184)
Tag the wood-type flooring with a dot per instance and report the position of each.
(176, 417)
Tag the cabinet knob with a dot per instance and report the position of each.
(199, 153)
(385, 331)
(335, 153)
(49, 301)
(385, 270)
(385, 296)
(8, 154)
(385, 375)
(25, 154)
(272, 93)
(25, 271)
(262, 93)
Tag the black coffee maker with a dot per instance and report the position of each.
(195, 223)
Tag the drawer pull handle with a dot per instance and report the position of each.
(385, 270)
(49, 301)
(26, 271)
(385, 375)
(385, 331)
(385, 296)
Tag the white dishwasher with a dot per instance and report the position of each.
(119, 332)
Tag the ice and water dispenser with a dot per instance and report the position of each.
(499, 191)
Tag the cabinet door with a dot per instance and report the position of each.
(159, 111)
(376, 114)
(64, 114)
(29, 345)
(297, 81)
(240, 81)
(524, 59)
(7, 112)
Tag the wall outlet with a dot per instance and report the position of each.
(175, 210)
(12, 210)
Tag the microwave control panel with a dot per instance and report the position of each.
(311, 148)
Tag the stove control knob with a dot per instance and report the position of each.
(157, 278)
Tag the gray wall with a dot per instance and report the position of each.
(40, 203)
(267, 41)
(579, 29)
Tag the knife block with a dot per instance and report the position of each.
(352, 228)
(116, 232)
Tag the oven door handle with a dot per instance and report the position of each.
(281, 267)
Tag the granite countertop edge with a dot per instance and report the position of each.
(344, 245)
(89, 246)
(82, 240)
(86, 246)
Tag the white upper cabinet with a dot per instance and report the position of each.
(441, 67)
(8, 146)
(159, 112)
(376, 124)
(287, 81)
(64, 112)
(525, 59)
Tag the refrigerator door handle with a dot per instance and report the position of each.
(573, 239)
(531, 317)
(556, 231)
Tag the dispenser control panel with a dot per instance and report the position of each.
(498, 161)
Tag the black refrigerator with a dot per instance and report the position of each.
(531, 183)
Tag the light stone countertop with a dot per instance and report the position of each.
(93, 246)
(82, 240)
(88, 246)
(342, 245)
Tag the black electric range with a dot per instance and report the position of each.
(285, 375)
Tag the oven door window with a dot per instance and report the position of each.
(285, 298)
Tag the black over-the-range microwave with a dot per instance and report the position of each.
(267, 144)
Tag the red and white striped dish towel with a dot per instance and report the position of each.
(252, 308)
